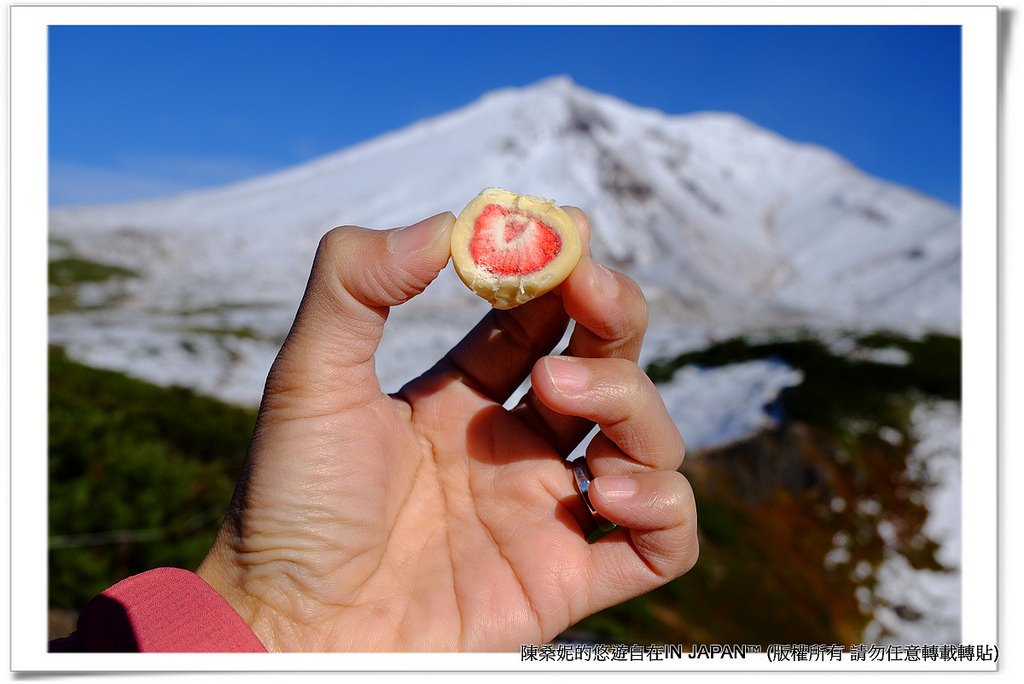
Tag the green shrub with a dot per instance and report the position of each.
(139, 476)
(75, 270)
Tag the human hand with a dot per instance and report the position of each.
(435, 519)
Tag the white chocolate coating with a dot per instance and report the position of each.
(505, 291)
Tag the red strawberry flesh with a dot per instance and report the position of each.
(507, 242)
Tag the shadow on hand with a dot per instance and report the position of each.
(496, 438)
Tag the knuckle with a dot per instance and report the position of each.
(632, 316)
(691, 552)
(667, 498)
(330, 240)
(350, 264)
(638, 388)
(580, 217)
(663, 502)
(620, 323)
(640, 313)
(680, 549)
(691, 540)
(624, 386)
(335, 243)
(669, 555)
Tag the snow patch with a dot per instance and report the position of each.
(716, 406)
(920, 606)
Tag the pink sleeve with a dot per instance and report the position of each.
(167, 610)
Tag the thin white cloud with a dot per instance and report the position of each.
(82, 184)
(145, 177)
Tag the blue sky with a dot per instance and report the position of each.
(144, 111)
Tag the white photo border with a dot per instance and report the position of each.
(28, 257)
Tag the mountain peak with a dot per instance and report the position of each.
(558, 83)
(726, 226)
(551, 90)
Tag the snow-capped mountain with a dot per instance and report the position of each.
(728, 227)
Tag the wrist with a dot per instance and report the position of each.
(224, 577)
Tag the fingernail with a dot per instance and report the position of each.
(605, 281)
(615, 487)
(420, 235)
(567, 374)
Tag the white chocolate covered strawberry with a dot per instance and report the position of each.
(511, 248)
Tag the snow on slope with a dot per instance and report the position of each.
(728, 227)
(922, 606)
(732, 400)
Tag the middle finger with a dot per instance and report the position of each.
(620, 398)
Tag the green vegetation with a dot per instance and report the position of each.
(75, 271)
(243, 332)
(139, 476)
(224, 334)
(837, 388)
(67, 274)
(226, 307)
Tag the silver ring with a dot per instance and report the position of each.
(602, 525)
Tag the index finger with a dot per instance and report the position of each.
(611, 319)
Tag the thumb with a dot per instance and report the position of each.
(357, 275)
